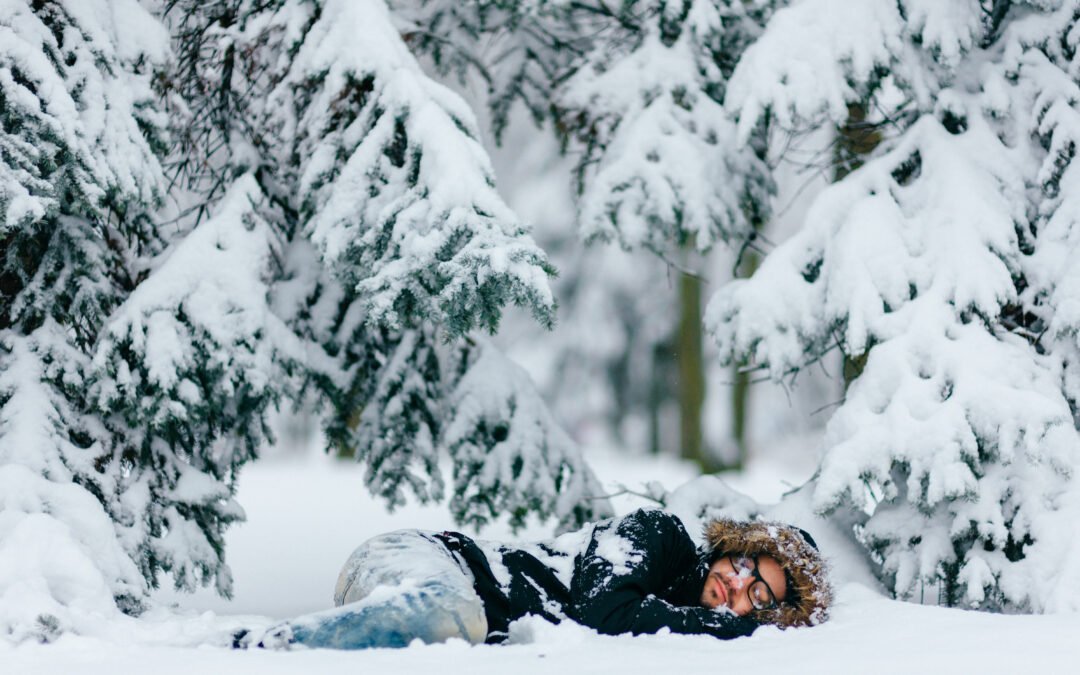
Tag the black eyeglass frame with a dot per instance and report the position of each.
(773, 603)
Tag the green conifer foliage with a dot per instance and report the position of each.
(281, 208)
(634, 91)
(941, 266)
(80, 177)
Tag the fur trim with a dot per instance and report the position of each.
(805, 568)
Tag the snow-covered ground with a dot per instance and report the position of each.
(306, 513)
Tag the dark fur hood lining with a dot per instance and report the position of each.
(802, 562)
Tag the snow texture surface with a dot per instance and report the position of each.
(287, 523)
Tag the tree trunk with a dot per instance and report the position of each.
(657, 393)
(856, 139)
(691, 371)
(740, 391)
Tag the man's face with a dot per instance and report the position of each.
(728, 586)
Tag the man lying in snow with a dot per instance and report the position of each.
(637, 574)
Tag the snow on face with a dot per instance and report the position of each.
(729, 585)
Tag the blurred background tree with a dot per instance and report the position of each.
(634, 93)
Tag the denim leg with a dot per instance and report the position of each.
(395, 588)
(431, 613)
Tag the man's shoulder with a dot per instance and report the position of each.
(654, 515)
(651, 522)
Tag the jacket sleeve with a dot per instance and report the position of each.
(627, 565)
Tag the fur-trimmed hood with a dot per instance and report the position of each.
(803, 565)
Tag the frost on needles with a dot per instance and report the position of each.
(947, 261)
(272, 211)
(635, 90)
(80, 179)
(660, 167)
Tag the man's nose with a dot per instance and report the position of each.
(736, 581)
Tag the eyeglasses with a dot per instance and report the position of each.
(761, 594)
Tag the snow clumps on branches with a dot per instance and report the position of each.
(943, 262)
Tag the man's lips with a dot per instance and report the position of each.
(721, 590)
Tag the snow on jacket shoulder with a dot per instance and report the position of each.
(642, 573)
(636, 574)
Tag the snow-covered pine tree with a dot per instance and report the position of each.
(183, 378)
(510, 456)
(395, 191)
(325, 222)
(394, 187)
(80, 138)
(638, 89)
(615, 311)
(660, 169)
(520, 49)
(944, 262)
(1045, 45)
(394, 240)
(635, 91)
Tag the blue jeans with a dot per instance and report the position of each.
(395, 588)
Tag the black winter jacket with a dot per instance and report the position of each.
(636, 574)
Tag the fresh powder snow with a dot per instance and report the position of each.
(302, 525)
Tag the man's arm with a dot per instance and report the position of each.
(627, 565)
